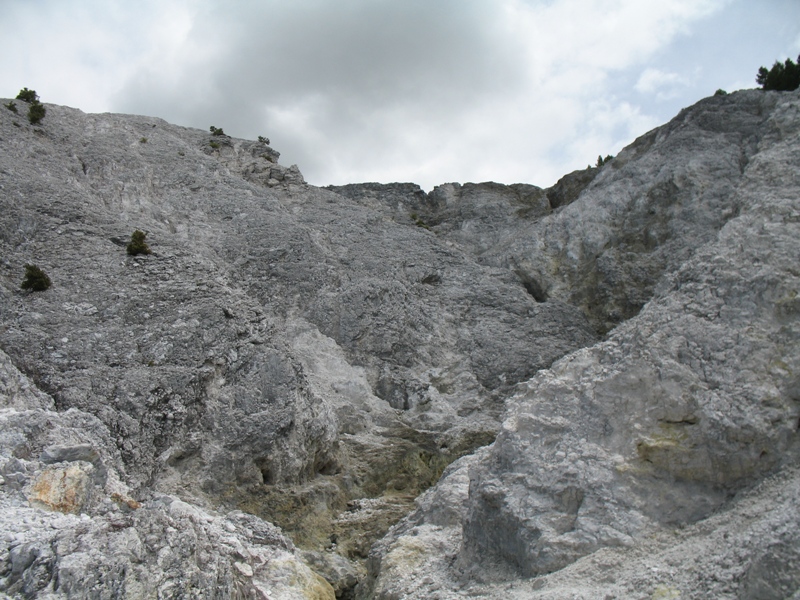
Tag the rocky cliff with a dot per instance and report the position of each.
(316, 358)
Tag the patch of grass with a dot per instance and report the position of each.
(214, 145)
(419, 222)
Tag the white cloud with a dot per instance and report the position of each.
(82, 53)
(660, 83)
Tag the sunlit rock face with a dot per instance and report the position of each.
(249, 409)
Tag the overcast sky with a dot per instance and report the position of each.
(427, 91)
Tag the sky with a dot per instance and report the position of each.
(423, 91)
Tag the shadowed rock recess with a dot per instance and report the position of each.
(369, 391)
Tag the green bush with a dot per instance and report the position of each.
(720, 92)
(137, 244)
(213, 144)
(602, 161)
(263, 140)
(216, 130)
(781, 77)
(27, 95)
(35, 279)
(11, 106)
(36, 112)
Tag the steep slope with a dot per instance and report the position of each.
(283, 351)
(682, 407)
(316, 358)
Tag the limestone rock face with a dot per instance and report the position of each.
(681, 407)
(646, 211)
(284, 350)
(317, 358)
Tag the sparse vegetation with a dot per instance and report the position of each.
(216, 130)
(214, 145)
(782, 77)
(419, 222)
(35, 279)
(602, 161)
(263, 140)
(143, 140)
(36, 112)
(11, 106)
(27, 95)
(720, 92)
(138, 245)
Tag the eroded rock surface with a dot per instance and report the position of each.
(318, 358)
(284, 350)
(680, 409)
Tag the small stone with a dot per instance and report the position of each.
(244, 569)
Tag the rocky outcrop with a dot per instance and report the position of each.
(285, 350)
(318, 358)
(677, 411)
(646, 211)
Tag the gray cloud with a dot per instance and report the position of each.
(423, 90)
(355, 76)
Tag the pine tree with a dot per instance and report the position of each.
(27, 95)
(35, 280)
(137, 244)
(783, 77)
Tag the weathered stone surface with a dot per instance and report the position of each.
(317, 358)
(284, 349)
(167, 548)
(680, 408)
(569, 187)
(65, 489)
(745, 550)
(646, 211)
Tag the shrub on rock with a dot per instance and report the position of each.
(138, 245)
(35, 279)
(27, 95)
(36, 112)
